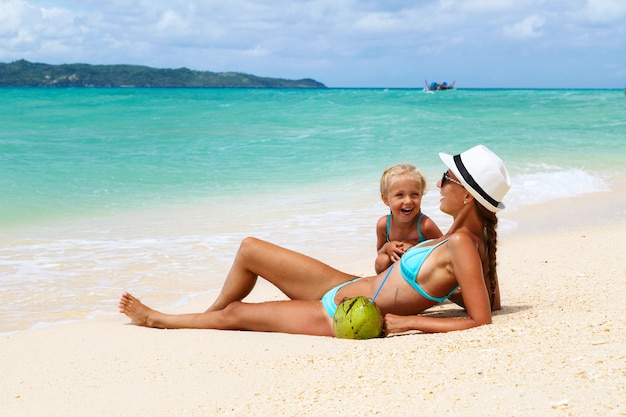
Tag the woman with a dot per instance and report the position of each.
(465, 257)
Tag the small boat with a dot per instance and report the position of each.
(437, 87)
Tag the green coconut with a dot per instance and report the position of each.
(358, 318)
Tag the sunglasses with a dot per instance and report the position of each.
(445, 177)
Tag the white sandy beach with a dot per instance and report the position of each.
(557, 348)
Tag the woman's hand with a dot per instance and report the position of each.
(397, 324)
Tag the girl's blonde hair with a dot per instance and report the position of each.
(399, 170)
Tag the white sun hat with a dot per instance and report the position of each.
(482, 173)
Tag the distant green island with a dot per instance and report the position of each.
(27, 74)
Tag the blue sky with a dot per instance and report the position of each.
(342, 43)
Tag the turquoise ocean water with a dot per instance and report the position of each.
(152, 189)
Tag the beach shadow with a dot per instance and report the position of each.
(451, 310)
(506, 310)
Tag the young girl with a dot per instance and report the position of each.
(401, 189)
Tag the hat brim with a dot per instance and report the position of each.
(448, 160)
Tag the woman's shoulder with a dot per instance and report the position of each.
(463, 243)
(462, 238)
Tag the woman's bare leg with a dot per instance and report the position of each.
(298, 276)
(302, 317)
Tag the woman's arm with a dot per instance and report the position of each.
(401, 324)
(457, 298)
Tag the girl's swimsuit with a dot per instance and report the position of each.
(410, 265)
(419, 229)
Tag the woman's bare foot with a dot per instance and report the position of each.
(135, 310)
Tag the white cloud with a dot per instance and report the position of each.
(484, 6)
(25, 27)
(598, 11)
(171, 21)
(527, 28)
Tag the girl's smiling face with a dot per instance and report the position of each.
(404, 198)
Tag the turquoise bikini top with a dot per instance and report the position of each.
(410, 265)
(419, 229)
